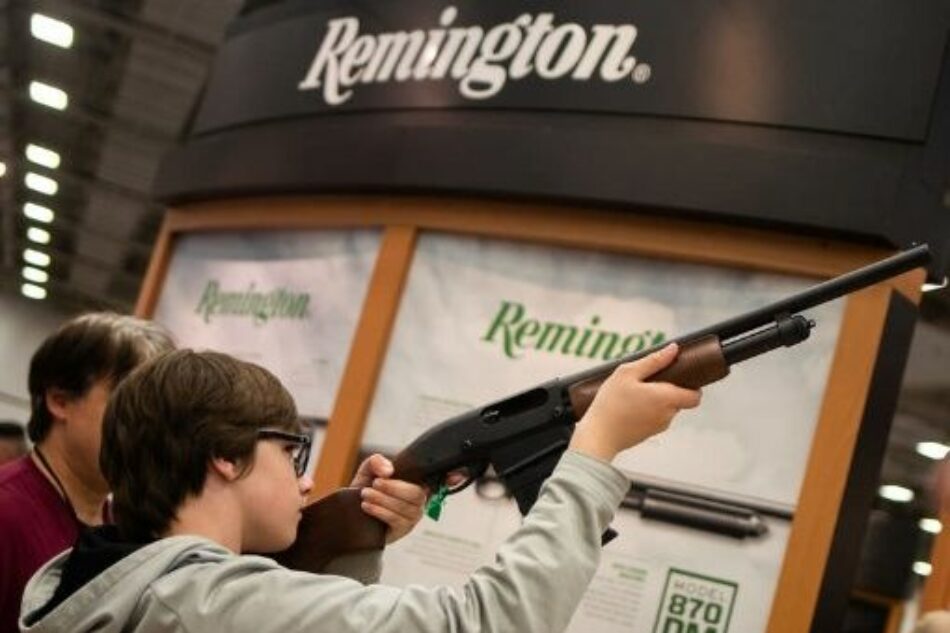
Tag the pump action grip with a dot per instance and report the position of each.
(697, 364)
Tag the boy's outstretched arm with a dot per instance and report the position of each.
(539, 576)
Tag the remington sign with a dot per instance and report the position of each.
(515, 332)
(481, 58)
(692, 60)
(258, 305)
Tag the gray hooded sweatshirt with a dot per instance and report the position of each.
(194, 585)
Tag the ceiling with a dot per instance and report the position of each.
(133, 75)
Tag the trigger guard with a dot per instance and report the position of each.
(475, 475)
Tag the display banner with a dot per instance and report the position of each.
(288, 301)
(655, 577)
(751, 61)
(481, 320)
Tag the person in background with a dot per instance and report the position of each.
(939, 621)
(12, 441)
(50, 495)
(47, 495)
(203, 455)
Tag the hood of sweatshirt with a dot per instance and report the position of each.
(98, 584)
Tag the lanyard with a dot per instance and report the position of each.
(59, 484)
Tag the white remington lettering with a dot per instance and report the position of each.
(482, 60)
(340, 35)
(515, 332)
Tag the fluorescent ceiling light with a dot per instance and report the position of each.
(42, 156)
(38, 235)
(896, 493)
(40, 183)
(38, 213)
(33, 291)
(921, 568)
(35, 257)
(51, 30)
(48, 95)
(933, 450)
(3, 169)
(40, 276)
(930, 525)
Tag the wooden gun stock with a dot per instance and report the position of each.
(336, 525)
(331, 527)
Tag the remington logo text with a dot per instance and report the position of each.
(260, 306)
(481, 60)
(515, 332)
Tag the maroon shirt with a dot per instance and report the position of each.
(35, 525)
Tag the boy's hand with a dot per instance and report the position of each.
(627, 410)
(398, 504)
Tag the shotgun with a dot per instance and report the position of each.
(522, 437)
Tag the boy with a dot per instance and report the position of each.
(49, 495)
(201, 453)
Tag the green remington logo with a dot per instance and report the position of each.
(514, 332)
(260, 306)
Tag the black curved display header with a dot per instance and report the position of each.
(765, 63)
(811, 114)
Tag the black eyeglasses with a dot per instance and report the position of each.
(301, 449)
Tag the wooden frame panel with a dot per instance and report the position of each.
(829, 460)
(690, 241)
(722, 245)
(367, 353)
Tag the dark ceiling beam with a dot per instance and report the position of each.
(88, 182)
(133, 27)
(7, 222)
(67, 295)
(132, 127)
(62, 225)
(7, 188)
(61, 257)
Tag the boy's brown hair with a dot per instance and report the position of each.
(169, 418)
(86, 349)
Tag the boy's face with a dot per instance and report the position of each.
(272, 497)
